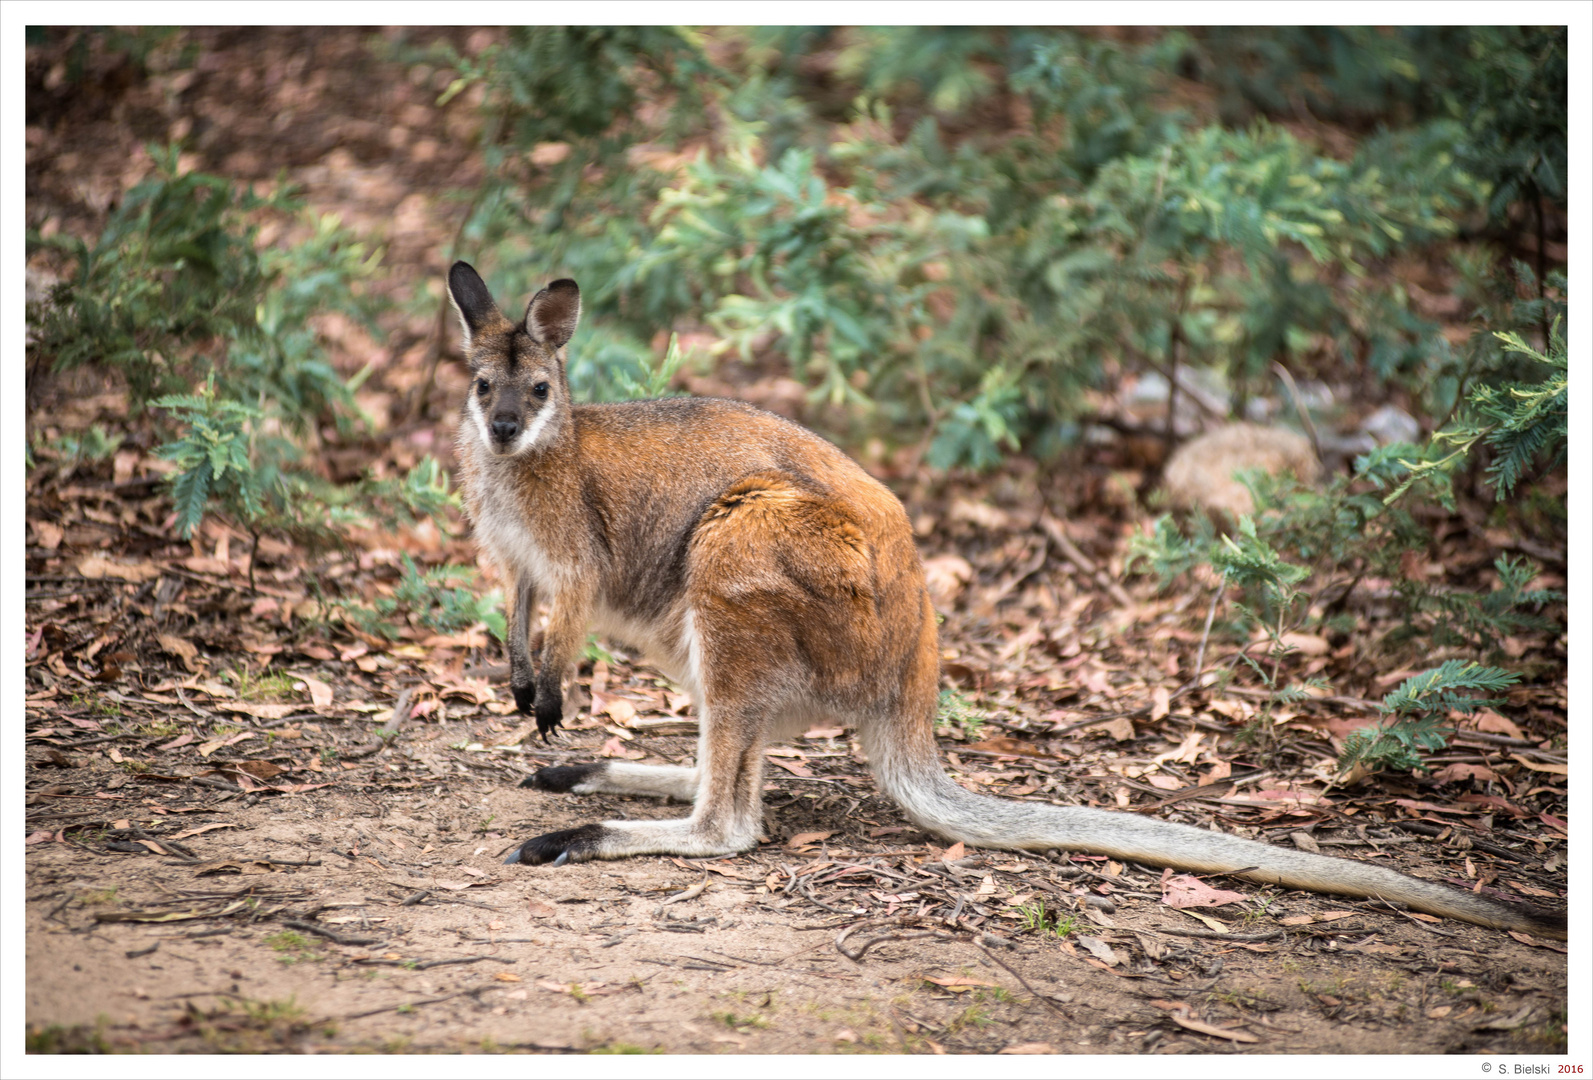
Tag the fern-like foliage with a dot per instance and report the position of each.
(1417, 711)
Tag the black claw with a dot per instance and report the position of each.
(525, 697)
(559, 777)
(549, 712)
(558, 848)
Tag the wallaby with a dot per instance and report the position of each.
(778, 583)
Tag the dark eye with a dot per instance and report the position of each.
(482, 387)
(540, 390)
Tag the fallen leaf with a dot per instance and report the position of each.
(1006, 744)
(1490, 721)
(1309, 644)
(945, 576)
(953, 853)
(1120, 729)
(97, 567)
(615, 748)
(1186, 891)
(261, 711)
(1028, 1048)
(1542, 766)
(182, 648)
(320, 692)
(1161, 702)
(824, 733)
(807, 838)
(1451, 773)
(181, 740)
(1211, 1029)
(1202, 917)
(1508, 1023)
(506, 976)
(260, 770)
(1537, 943)
(621, 710)
(1100, 950)
(204, 829)
(47, 534)
(540, 909)
(795, 768)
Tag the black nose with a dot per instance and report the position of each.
(504, 430)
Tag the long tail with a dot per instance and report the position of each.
(910, 773)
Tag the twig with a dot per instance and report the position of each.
(1205, 634)
(1217, 935)
(193, 708)
(685, 894)
(1047, 1002)
(330, 935)
(856, 954)
(1053, 531)
(807, 891)
(422, 965)
(404, 1005)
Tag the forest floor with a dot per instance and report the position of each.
(254, 829)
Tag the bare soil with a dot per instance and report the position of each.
(449, 950)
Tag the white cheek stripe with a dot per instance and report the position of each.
(533, 433)
(481, 421)
(528, 439)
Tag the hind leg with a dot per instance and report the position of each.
(617, 778)
(726, 815)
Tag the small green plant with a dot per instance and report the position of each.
(295, 948)
(655, 380)
(1038, 918)
(438, 600)
(89, 447)
(594, 651)
(624, 1048)
(1417, 714)
(268, 685)
(1520, 423)
(75, 1039)
(957, 715)
(974, 1016)
(735, 1022)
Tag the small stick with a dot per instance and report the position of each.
(330, 935)
(1217, 935)
(1053, 1006)
(685, 894)
(1205, 634)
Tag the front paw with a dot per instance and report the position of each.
(524, 696)
(549, 712)
(558, 848)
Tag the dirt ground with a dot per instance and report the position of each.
(210, 869)
(440, 947)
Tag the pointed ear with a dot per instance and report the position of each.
(471, 300)
(553, 313)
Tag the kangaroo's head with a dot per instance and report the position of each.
(519, 397)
